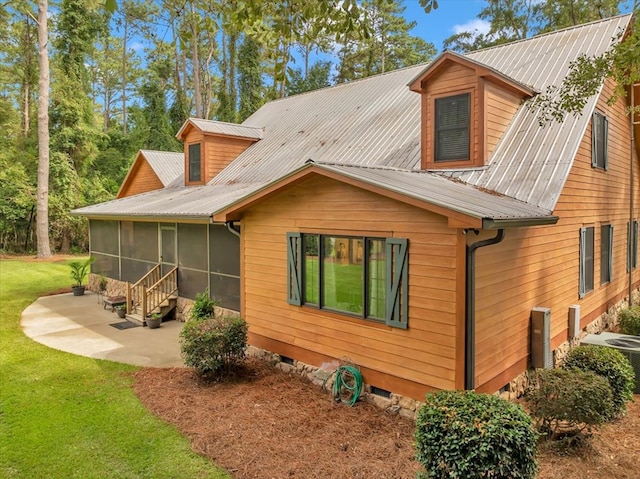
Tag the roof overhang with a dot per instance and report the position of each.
(456, 218)
(221, 129)
(418, 84)
(203, 218)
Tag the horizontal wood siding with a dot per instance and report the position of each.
(424, 354)
(539, 266)
(500, 107)
(141, 179)
(219, 151)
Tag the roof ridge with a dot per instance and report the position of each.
(546, 34)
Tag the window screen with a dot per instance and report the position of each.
(452, 118)
(224, 250)
(139, 240)
(194, 162)
(192, 246)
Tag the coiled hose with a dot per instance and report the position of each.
(349, 379)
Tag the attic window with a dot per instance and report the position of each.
(194, 162)
(452, 125)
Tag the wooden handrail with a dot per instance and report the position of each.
(156, 294)
(135, 292)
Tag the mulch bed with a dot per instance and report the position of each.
(269, 424)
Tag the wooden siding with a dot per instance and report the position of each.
(540, 266)
(141, 179)
(219, 152)
(500, 107)
(410, 362)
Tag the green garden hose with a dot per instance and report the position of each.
(349, 379)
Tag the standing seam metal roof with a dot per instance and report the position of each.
(376, 122)
(167, 165)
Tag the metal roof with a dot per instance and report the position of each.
(196, 202)
(376, 123)
(167, 165)
(222, 128)
(531, 163)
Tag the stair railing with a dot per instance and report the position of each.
(135, 292)
(159, 292)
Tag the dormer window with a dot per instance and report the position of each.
(452, 126)
(194, 163)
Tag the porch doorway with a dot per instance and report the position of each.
(168, 248)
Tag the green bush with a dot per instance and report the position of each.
(611, 365)
(215, 346)
(203, 307)
(569, 402)
(630, 321)
(466, 435)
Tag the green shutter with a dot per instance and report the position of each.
(610, 246)
(605, 141)
(397, 282)
(294, 269)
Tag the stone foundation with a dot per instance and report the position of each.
(323, 377)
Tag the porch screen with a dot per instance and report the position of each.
(104, 248)
(192, 259)
(224, 257)
(139, 249)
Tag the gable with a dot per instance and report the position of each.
(140, 179)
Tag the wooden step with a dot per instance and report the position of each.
(136, 318)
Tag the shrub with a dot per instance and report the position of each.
(463, 434)
(611, 365)
(203, 307)
(214, 346)
(569, 402)
(630, 321)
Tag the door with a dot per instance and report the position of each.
(168, 248)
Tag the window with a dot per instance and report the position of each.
(632, 245)
(606, 253)
(194, 162)
(599, 135)
(360, 276)
(586, 260)
(452, 120)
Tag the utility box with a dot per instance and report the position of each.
(574, 321)
(541, 338)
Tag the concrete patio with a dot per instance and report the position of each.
(80, 325)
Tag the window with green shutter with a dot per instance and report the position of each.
(586, 260)
(360, 276)
(194, 162)
(599, 140)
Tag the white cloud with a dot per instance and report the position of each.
(474, 26)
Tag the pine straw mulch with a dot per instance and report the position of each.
(270, 424)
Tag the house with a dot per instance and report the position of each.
(410, 222)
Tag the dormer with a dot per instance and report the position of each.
(209, 146)
(466, 107)
(151, 170)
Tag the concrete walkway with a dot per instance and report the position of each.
(80, 325)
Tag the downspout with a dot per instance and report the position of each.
(232, 230)
(470, 309)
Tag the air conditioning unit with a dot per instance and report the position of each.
(629, 346)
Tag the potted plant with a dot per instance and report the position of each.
(79, 270)
(102, 283)
(153, 320)
(122, 311)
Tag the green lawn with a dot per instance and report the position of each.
(66, 416)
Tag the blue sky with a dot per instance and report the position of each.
(452, 16)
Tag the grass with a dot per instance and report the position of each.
(66, 416)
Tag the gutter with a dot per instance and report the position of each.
(231, 228)
(470, 308)
(493, 223)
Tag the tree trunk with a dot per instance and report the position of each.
(124, 73)
(42, 199)
(26, 87)
(196, 65)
